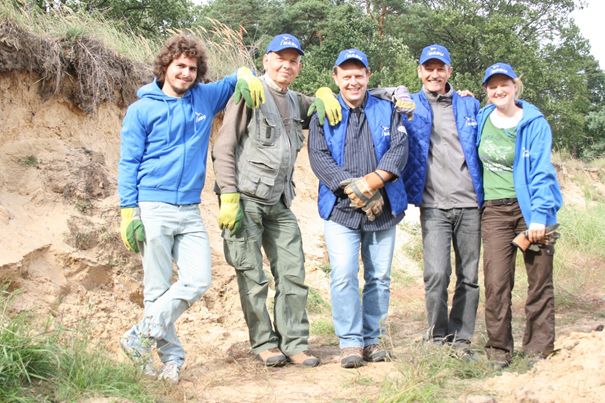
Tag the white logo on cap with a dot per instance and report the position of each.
(351, 54)
(435, 52)
(498, 69)
(287, 42)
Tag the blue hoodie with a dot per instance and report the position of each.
(164, 143)
(534, 175)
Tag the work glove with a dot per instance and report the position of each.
(374, 206)
(250, 88)
(403, 101)
(551, 236)
(358, 191)
(230, 213)
(132, 231)
(326, 104)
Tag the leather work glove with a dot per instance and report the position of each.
(230, 213)
(326, 104)
(250, 88)
(374, 207)
(132, 231)
(403, 101)
(358, 191)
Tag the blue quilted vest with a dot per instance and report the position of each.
(419, 137)
(379, 115)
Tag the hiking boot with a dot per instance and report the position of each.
(351, 357)
(273, 357)
(305, 359)
(461, 349)
(138, 349)
(499, 359)
(375, 353)
(170, 372)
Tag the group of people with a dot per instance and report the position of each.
(475, 174)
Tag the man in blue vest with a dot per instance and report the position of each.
(443, 178)
(359, 162)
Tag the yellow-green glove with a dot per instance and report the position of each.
(250, 88)
(131, 228)
(326, 104)
(230, 213)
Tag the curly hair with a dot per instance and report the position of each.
(175, 47)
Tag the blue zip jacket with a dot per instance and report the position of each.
(379, 114)
(534, 175)
(164, 143)
(419, 132)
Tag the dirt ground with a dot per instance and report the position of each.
(61, 251)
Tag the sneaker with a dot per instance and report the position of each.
(170, 372)
(273, 357)
(305, 359)
(375, 353)
(138, 349)
(351, 357)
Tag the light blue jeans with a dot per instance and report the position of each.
(460, 227)
(359, 322)
(172, 234)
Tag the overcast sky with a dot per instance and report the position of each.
(591, 21)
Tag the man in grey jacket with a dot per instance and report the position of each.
(254, 157)
(443, 178)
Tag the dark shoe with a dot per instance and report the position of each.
(499, 359)
(462, 350)
(273, 357)
(351, 357)
(305, 359)
(375, 353)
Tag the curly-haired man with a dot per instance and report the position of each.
(161, 173)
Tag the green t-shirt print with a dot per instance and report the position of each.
(497, 153)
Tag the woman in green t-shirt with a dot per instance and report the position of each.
(521, 194)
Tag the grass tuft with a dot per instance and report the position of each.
(56, 365)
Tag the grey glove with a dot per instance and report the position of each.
(403, 101)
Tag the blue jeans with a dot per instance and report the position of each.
(440, 229)
(172, 234)
(359, 322)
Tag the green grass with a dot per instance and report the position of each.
(29, 161)
(322, 326)
(316, 303)
(413, 248)
(40, 364)
(75, 25)
(428, 373)
(579, 254)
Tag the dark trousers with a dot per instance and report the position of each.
(499, 225)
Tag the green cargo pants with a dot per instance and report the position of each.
(275, 229)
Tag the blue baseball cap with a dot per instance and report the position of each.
(352, 54)
(437, 52)
(499, 68)
(284, 41)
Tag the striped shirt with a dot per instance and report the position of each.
(359, 160)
